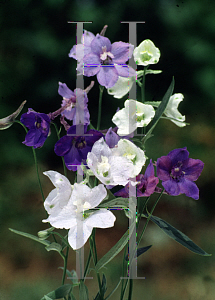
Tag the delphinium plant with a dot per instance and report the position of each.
(105, 159)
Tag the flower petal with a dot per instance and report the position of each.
(193, 169)
(64, 145)
(178, 155)
(64, 91)
(98, 43)
(164, 166)
(101, 219)
(125, 71)
(122, 52)
(78, 235)
(172, 187)
(189, 188)
(107, 76)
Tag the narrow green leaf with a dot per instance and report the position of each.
(83, 291)
(148, 71)
(30, 236)
(115, 249)
(104, 288)
(178, 236)
(161, 108)
(117, 202)
(139, 251)
(116, 287)
(59, 293)
(153, 103)
(54, 247)
(153, 71)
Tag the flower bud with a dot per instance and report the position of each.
(5, 123)
(146, 53)
(44, 234)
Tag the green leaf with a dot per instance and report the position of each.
(153, 71)
(72, 276)
(54, 247)
(117, 202)
(148, 71)
(47, 298)
(104, 288)
(30, 236)
(139, 251)
(153, 103)
(161, 108)
(83, 291)
(178, 236)
(115, 249)
(59, 293)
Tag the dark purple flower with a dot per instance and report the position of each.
(78, 110)
(177, 172)
(146, 184)
(74, 147)
(38, 125)
(106, 60)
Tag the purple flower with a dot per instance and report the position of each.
(74, 147)
(146, 184)
(112, 138)
(78, 110)
(177, 172)
(105, 60)
(38, 125)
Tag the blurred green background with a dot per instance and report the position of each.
(35, 41)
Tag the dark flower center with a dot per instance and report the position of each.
(80, 142)
(176, 172)
(41, 124)
(106, 57)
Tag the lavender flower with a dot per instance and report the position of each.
(78, 110)
(147, 184)
(38, 125)
(75, 148)
(178, 172)
(105, 60)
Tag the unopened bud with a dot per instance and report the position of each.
(8, 121)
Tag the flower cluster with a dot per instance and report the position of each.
(114, 156)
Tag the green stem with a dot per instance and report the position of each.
(87, 264)
(92, 248)
(130, 289)
(148, 218)
(58, 136)
(143, 97)
(101, 89)
(35, 160)
(123, 272)
(65, 265)
(141, 209)
(38, 177)
(143, 85)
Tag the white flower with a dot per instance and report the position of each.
(146, 53)
(171, 110)
(110, 169)
(59, 197)
(122, 87)
(74, 218)
(127, 149)
(135, 114)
